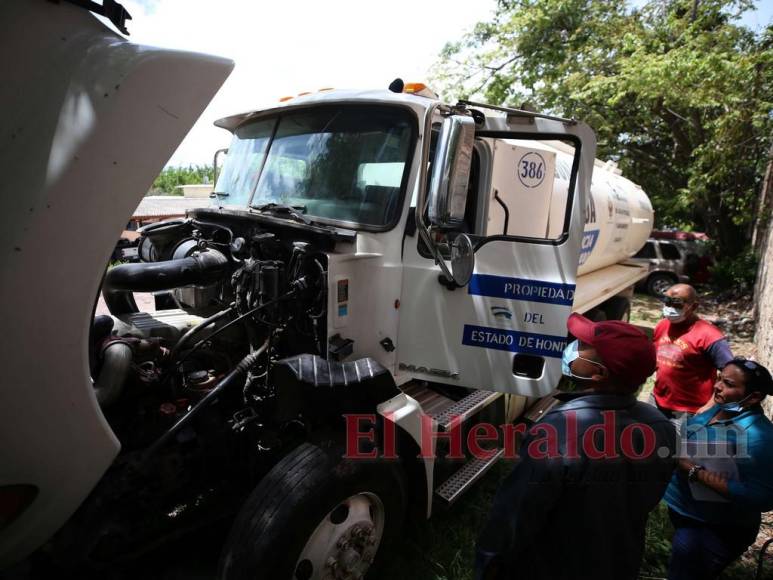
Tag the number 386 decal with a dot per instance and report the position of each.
(531, 169)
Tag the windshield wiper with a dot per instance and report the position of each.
(218, 194)
(293, 211)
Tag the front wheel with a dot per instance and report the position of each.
(658, 283)
(316, 516)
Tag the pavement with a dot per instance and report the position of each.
(145, 303)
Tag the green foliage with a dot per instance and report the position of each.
(735, 272)
(168, 180)
(657, 543)
(443, 548)
(657, 550)
(677, 91)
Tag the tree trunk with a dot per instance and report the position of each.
(762, 220)
(763, 291)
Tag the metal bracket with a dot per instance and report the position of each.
(518, 112)
(110, 9)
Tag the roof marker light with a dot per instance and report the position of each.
(419, 89)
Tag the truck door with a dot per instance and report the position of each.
(506, 330)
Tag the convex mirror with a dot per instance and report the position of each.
(462, 259)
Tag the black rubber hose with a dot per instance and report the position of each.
(198, 328)
(202, 268)
(238, 373)
(119, 301)
(117, 361)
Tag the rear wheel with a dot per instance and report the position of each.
(658, 283)
(316, 516)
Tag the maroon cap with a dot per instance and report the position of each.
(625, 350)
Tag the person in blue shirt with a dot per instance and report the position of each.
(713, 531)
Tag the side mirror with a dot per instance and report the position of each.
(218, 153)
(451, 171)
(462, 260)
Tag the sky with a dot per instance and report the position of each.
(285, 48)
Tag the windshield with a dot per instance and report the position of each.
(340, 163)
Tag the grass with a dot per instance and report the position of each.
(443, 547)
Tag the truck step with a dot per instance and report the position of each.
(464, 408)
(432, 403)
(468, 474)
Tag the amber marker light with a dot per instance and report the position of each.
(14, 499)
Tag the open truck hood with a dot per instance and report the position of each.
(89, 120)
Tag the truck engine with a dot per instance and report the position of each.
(189, 390)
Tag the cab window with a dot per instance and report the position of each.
(647, 252)
(669, 252)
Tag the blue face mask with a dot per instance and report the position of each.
(571, 354)
(734, 407)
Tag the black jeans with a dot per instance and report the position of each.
(701, 551)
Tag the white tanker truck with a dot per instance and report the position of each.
(379, 272)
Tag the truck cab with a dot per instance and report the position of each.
(378, 271)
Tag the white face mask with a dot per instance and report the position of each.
(672, 314)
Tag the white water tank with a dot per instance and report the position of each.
(618, 220)
(618, 213)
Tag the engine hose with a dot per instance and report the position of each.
(239, 372)
(119, 301)
(117, 360)
(322, 291)
(198, 328)
(200, 268)
(239, 318)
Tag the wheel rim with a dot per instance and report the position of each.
(345, 542)
(661, 285)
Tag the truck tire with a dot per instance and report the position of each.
(618, 308)
(316, 515)
(659, 282)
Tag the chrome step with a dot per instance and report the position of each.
(464, 408)
(468, 474)
(432, 403)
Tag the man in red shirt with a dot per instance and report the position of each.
(689, 352)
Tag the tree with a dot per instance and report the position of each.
(679, 94)
(167, 181)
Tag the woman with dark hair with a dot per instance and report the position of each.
(717, 514)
